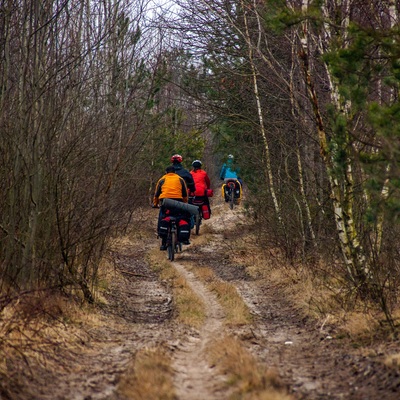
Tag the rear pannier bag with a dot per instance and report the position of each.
(183, 230)
(205, 211)
(164, 225)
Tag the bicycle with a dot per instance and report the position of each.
(231, 190)
(230, 194)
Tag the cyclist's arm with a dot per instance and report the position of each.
(207, 181)
(158, 191)
(223, 171)
(184, 190)
(190, 183)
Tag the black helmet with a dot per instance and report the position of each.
(196, 164)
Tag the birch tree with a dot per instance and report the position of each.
(344, 39)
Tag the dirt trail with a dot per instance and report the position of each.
(195, 379)
(138, 314)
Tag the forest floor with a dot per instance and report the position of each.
(278, 353)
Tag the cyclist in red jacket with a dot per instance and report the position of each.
(202, 183)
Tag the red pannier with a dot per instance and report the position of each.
(205, 211)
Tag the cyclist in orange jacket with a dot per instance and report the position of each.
(169, 186)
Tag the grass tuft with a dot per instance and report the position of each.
(149, 377)
(393, 361)
(247, 378)
(237, 312)
(190, 307)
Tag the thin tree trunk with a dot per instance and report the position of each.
(295, 114)
(377, 243)
(261, 120)
(342, 193)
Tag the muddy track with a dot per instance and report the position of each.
(311, 360)
(195, 379)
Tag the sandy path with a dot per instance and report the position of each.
(195, 378)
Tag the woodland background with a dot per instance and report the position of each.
(96, 96)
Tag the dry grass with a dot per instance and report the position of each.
(313, 294)
(205, 228)
(393, 361)
(359, 325)
(37, 330)
(203, 239)
(247, 379)
(237, 312)
(190, 308)
(43, 330)
(149, 377)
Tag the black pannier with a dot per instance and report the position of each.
(163, 228)
(183, 230)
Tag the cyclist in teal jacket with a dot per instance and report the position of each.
(229, 173)
(227, 170)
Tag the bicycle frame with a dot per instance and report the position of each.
(231, 193)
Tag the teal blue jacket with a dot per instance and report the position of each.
(227, 171)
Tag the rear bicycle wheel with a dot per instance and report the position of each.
(171, 251)
(198, 223)
(171, 243)
(174, 246)
(231, 199)
(178, 246)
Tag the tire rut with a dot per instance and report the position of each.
(195, 378)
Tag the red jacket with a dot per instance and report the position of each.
(201, 181)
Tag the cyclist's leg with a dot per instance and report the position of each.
(161, 215)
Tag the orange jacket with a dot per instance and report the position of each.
(201, 180)
(170, 186)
